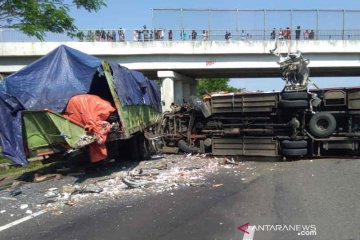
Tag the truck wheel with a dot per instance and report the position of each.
(294, 95)
(294, 152)
(137, 147)
(294, 144)
(294, 103)
(322, 124)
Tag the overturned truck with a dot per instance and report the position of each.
(294, 123)
(68, 102)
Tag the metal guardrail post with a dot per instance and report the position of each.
(237, 24)
(264, 24)
(209, 23)
(343, 25)
(181, 25)
(317, 24)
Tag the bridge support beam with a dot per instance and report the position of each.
(175, 88)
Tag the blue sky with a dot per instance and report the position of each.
(134, 14)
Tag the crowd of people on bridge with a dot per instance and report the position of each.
(286, 34)
(159, 34)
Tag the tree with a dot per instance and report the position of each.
(36, 17)
(208, 85)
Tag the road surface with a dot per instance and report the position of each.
(322, 193)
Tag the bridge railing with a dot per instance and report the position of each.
(139, 35)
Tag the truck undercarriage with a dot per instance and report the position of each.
(295, 122)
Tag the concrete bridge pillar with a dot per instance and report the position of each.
(175, 88)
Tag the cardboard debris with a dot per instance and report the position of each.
(41, 178)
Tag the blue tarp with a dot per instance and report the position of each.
(10, 129)
(1, 86)
(52, 80)
(134, 88)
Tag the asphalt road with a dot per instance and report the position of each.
(324, 193)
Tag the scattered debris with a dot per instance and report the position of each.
(162, 174)
(8, 198)
(16, 184)
(24, 206)
(56, 212)
(68, 189)
(218, 185)
(41, 178)
(15, 192)
(131, 183)
(91, 188)
(28, 212)
(230, 161)
(52, 193)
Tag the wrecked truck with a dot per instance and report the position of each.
(69, 102)
(296, 122)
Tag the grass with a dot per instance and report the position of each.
(2, 159)
(18, 170)
(21, 170)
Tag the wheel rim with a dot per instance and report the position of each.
(322, 124)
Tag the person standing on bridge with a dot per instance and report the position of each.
(113, 33)
(103, 35)
(205, 35)
(97, 35)
(193, 35)
(135, 35)
(281, 34)
(170, 35)
(306, 34)
(312, 35)
(287, 34)
(273, 34)
(121, 35)
(109, 36)
(297, 33)
(242, 35)
(146, 33)
(183, 35)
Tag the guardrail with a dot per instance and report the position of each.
(145, 35)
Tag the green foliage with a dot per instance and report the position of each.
(208, 85)
(2, 159)
(35, 18)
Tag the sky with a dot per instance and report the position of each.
(136, 13)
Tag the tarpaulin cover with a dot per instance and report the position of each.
(134, 88)
(92, 111)
(52, 80)
(10, 129)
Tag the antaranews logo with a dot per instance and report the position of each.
(301, 230)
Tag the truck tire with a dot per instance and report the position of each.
(322, 124)
(294, 103)
(185, 148)
(294, 95)
(137, 147)
(294, 152)
(294, 144)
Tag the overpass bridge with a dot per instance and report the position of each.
(178, 63)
